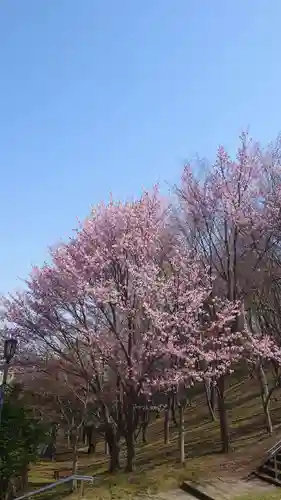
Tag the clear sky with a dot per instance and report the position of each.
(100, 96)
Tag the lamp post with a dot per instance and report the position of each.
(10, 346)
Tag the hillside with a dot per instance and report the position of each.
(158, 465)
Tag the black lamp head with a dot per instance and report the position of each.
(10, 346)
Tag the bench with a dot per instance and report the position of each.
(62, 473)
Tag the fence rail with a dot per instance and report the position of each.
(274, 449)
(82, 479)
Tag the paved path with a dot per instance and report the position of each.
(228, 489)
(219, 489)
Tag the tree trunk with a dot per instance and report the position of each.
(209, 390)
(114, 464)
(131, 453)
(268, 421)
(265, 397)
(92, 441)
(144, 429)
(173, 409)
(84, 436)
(223, 415)
(91, 448)
(167, 424)
(74, 440)
(213, 399)
(53, 445)
(130, 439)
(112, 440)
(81, 435)
(68, 441)
(106, 448)
(181, 434)
(24, 477)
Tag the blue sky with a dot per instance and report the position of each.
(100, 96)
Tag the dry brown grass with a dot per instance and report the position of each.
(258, 496)
(158, 465)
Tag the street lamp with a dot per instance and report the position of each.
(10, 346)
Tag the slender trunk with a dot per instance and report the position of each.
(181, 434)
(265, 397)
(213, 399)
(144, 429)
(173, 409)
(82, 435)
(53, 447)
(74, 439)
(223, 415)
(210, 402)
(167, 425)
(268, 420)
(106, 448)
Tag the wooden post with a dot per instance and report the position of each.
(82, 489)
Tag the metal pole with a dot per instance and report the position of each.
(2, 388)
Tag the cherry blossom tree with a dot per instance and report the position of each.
(263, 318)
(230, 217)
(127, 307)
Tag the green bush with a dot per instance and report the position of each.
(20, 436)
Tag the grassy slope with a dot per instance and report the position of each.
(158, 465)
(256, 496)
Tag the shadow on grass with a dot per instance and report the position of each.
(233, 404)
(52, 494)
